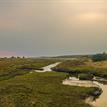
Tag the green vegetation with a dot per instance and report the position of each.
(21, 87)
(11, 67)
(85, 76)
(89, 68)
(99, 57)
(42, 90)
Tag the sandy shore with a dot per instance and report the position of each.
(101, 101)
(76, 82)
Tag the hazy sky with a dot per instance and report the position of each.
(52, 27)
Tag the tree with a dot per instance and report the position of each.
(99, 57)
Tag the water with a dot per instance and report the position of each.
(48, 68)
(102, 100)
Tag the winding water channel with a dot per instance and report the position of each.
(48, 68)
(100, 102)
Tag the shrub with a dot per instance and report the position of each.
(85, 76)
(99, 57)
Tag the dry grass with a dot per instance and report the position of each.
(101, 64)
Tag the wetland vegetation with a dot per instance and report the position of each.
(21, 86)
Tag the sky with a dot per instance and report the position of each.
(52, 27)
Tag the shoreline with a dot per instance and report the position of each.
(99, 100)
(73, 81)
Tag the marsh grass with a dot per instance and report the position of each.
(42, 90)
(78, 67)
(20, 88)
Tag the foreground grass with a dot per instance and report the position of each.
(42, 90)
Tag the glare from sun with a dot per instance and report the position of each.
(91, 17)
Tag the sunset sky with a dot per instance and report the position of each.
(52, 27)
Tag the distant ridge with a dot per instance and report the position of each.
(69, 56)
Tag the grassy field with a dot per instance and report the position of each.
(76, 67)
(20, 88)
(11, 67)
(42, 90)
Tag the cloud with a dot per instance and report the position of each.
(30, 14)
(38, 27)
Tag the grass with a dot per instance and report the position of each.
(20, 88)
(76, 67)
(11, 67)
(42, 90)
